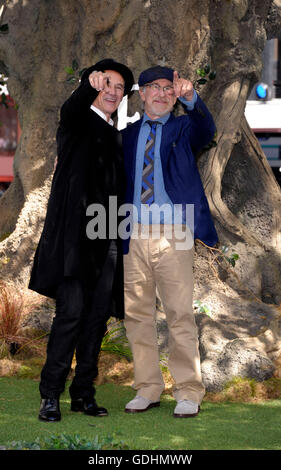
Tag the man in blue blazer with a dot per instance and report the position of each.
(170, 211)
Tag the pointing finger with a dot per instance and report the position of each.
(177, 84)
(175, 76)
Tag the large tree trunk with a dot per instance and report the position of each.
(242, 336)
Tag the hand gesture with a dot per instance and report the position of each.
(98, 80)
(182, 87)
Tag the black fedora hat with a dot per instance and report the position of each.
(111, 64)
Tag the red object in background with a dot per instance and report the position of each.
(6, 168)
(9, 137)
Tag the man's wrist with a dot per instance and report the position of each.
(189, 103)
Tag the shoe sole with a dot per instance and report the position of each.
(183, 415)
(88, 414)
(48, 420)
(133, 410)
(99, 415)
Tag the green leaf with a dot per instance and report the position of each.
(202, 308)
(4, 101)
(75, 64)
(213, 75)
(202, 81)
(4, 28)
(233, 258)
(71, 79)
(207, 69)
(231, 261)
(69, 70)
(201, 72)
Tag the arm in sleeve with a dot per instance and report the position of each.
(202, 127)
(76, 106)
(189, 104)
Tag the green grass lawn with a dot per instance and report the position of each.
(219, 426)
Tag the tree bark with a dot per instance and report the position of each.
(45, 36)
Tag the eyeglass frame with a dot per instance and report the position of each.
(159, 87)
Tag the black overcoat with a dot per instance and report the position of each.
(89, 170)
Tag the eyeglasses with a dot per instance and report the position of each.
(169, 89)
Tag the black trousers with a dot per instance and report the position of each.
(79, 325)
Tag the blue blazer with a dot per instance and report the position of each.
(182, 138)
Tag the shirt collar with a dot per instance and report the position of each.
(102, 115)
(161, 119)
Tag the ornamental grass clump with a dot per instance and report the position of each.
(11, 316)
(14, 306)
(115, 340)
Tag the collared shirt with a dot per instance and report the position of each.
(160, 195)
(102, 115)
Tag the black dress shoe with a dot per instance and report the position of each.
(88, 406)
(49, 410)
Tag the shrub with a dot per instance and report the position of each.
(67, 442)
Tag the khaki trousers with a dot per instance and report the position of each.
(156, 263)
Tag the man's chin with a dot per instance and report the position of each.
(111, 108)
(161, 111)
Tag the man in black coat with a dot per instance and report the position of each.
(83, 272)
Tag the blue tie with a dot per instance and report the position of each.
(147, 191)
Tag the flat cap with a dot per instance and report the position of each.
(154, 73)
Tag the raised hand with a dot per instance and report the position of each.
(182, 87)
(98, 80)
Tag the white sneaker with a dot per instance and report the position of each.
(139, 404)
(186, 409)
